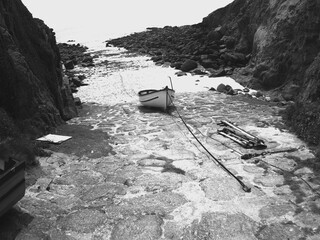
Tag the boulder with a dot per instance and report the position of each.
(87, 59)
(69, 65)
(216, 34)
(258, 94)
(229, 90)
(176, 65)
(291, 92)
(218, 73)
(156, 58)
(77, 101)
(81, 77)
(189, 65)
(76, 81)
(180, 73)
(221, 88)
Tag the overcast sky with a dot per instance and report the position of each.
(120, 15)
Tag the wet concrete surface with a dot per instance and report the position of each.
(135, 173)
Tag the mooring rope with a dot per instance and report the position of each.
(269, 164)
(291, 173)
(124, 88)
(238, 152)
(244, 187)
(187, 136)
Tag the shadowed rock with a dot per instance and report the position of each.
(32, 91)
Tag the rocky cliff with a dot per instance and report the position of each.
(32, 91)
(283, 38)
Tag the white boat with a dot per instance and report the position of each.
(157, 98)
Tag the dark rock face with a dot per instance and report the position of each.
(283, 38)
(311, 82)
(32, 91)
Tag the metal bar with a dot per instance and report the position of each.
(240, 130)
(253, 140)
(242, 142)
(251, 155)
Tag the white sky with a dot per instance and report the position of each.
(120, 16)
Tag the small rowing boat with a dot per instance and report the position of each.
(157, 98)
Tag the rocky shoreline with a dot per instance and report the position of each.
(186, 47)
(192, 49)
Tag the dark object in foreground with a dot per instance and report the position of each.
(12, 184)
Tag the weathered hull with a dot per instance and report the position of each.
(157, 98)
(12, 186)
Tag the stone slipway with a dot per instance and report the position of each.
(134, 173)
(141, 175)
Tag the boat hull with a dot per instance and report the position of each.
(157, 98)
(12, 186)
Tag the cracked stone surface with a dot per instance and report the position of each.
(136, 173)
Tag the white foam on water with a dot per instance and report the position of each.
(110, 84)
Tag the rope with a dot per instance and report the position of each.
(313, 190)
(238, 152)
(187, 136)
(124, 88)
(244, 187)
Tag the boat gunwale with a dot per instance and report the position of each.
(12, 186)
(151, 91)
(11, 171)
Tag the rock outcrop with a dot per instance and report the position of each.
(32, 91)
(283, 38)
